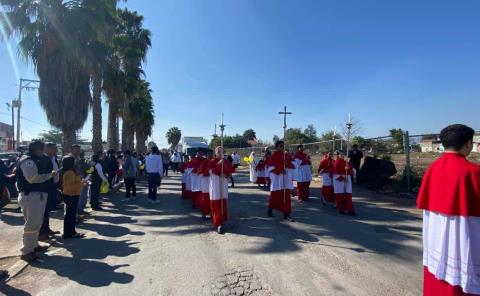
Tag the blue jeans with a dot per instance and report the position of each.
(153, 183)
(82, 200)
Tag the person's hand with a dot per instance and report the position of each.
(347, 168)
(54, 173)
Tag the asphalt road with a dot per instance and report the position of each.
(134, 248)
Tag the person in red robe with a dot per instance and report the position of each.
(450, 199)
(195, 179)
(303, 173)
(204, 173)
(218, 188)
(260, 172)
(182, 169)
(281, 168)
(342, 185)
(325, 170)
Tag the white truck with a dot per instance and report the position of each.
(190, 145)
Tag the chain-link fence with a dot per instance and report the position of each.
(395, 163)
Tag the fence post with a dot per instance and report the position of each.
(406, 144)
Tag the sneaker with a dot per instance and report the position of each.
(288, 218)
(220, 230)
(353, 214)
(30, 257)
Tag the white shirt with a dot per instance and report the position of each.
(175, 158)
(154, 164)
(56, 179)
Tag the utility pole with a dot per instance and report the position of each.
(27, 84)
(10, 107)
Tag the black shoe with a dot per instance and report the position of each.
(353, 214)
(31, 257)
(270, 213)
(220, 230)
(288, 218)
(41, 249)
(342, 213)
(204, 217)
(3, 274)
(99, 209)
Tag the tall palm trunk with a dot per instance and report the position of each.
(140, 143)
(97, 111)
(128, 128)
(69, 138)
(112, 131)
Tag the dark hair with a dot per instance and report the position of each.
(278, 143)
(155, 150)
(455, 136)
(50, 144)
(127, 152)
(75, 146)
(35, 146)
(355, 146)
(68, 163)
(299, 146)
(96, 157)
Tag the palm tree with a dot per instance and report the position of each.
(114, 88)
(141, 109)
(102, 13)
(174, 134)
(53, 34)
(132, 42)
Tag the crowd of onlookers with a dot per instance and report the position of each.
(43, 181)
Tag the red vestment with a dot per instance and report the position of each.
(303, 175)
(195, 180)
(281, 181)
(325, 170)
(342, 186)
(450, 200)
(218, 190)
(181, 169)
(203, 203)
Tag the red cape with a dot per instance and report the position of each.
(303, 157)
(216, 167)
(277, 159)
(451, 186)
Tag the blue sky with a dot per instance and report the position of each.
(392, 64)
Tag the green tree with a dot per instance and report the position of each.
(142, 112)
(53, 136)
(250, 135)
(132, 42)
(362, 142)
(311, 133)
(174, 134)
(102, 13)
(397, 136)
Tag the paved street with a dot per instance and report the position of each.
(166, 249)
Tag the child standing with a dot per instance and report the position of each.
(72, 187)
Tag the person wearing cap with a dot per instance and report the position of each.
(45, 231)
(34, 175)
